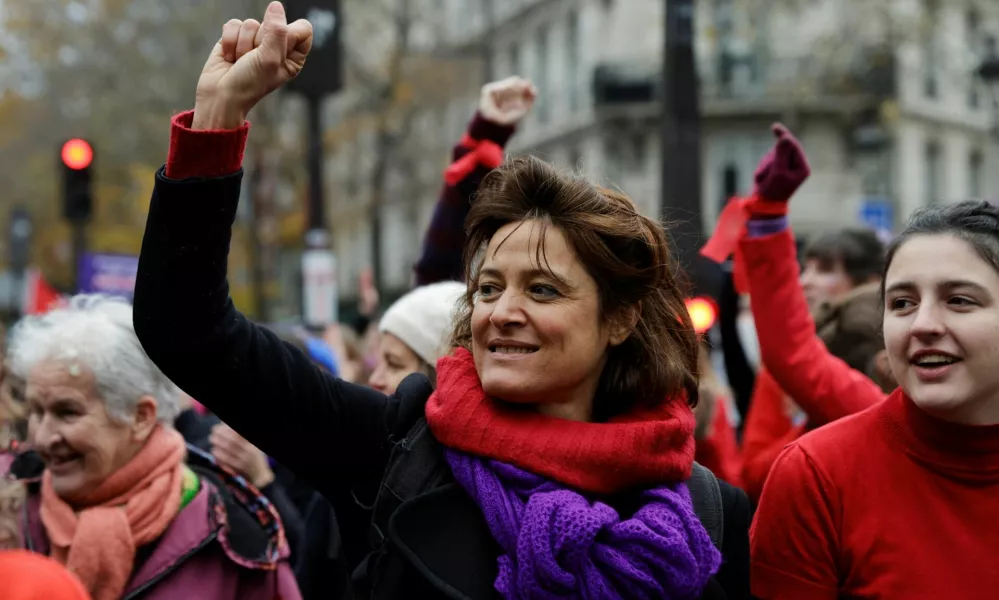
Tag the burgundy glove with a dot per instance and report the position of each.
(780, 173)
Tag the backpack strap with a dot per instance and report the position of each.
(706, 496)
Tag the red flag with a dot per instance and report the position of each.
(39, 297)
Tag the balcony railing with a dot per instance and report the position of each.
(869, 74)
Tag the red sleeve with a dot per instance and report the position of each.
(793, 539)
(768, 430)
(203, 154)
(825, 387)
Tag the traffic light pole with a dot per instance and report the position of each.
(79, 249)
(314, 161)
(321, 77)
(681, 137)
(320, 295)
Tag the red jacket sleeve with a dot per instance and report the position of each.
(825, 387)
(768, 430)
(793, 539)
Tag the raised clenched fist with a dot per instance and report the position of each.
(783, 169)
(251, 60)
(508, 101)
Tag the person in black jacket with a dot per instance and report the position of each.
(550, 459)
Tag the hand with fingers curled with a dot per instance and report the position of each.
(251, 60)
(235, 453)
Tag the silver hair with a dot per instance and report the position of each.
(96, 332)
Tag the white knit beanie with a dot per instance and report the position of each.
(422, 319)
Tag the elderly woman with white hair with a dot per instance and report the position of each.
(122, 502)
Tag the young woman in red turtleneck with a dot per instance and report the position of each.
(899, 501)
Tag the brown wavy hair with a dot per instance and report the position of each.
(626, 253)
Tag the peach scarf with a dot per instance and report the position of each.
(131, 508)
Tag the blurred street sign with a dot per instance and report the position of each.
(320, 298)
(878, 214)
(323, 71)
(112, 274)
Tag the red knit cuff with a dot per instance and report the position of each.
(204, 154)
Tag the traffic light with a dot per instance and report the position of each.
(77, 157)
(703, 313)
(323, 73)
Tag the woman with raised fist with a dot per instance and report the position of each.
(555, 456)
(894, 497)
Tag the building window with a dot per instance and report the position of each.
(930, 72)
(930, 50)
(932, 174)
(974, 100)
(976, 174)
(722, 16)
(636, 153)
(485, 10)
(541, 76)
(972, 35)
(729, 182)
(515, 59)
(613, 168)
(572, 59)
(469, 18)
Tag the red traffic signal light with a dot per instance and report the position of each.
(703, 313)
(77, 157)
(77, 154)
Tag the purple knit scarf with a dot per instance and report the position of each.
(558, 544)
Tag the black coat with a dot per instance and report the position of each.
(335, 435)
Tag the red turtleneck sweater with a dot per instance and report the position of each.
(887, 503)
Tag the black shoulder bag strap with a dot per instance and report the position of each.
(706, 496)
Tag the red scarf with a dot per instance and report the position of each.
(641, 449)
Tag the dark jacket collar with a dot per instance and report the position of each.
(443, 535)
